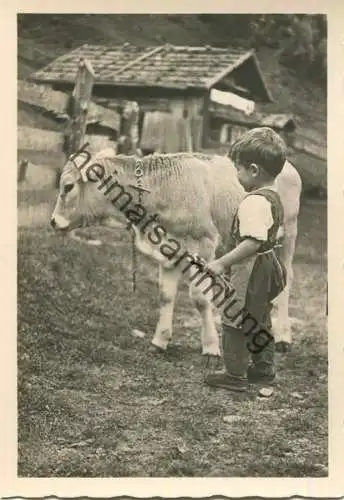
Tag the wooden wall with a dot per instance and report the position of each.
(185, 107)
(166, 124)
(171, 104)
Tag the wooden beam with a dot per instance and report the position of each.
(128, 142)
(138, 59)
(229, 69)
(256, 64)
(22, 170)
(227, 84)
(206, 120)
(29, 138)
(80, 102)
(311, 149)
(82, 95)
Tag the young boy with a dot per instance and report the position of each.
(256, 273)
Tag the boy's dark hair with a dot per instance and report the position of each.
(262, 146)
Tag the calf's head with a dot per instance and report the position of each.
(80, 202)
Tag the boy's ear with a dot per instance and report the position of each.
(254, 169)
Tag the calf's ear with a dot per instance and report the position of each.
(82, 174)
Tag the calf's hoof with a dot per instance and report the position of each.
(156, 349)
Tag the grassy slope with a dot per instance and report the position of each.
(93, 402)
(42, 38)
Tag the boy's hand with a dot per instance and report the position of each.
(215, 267)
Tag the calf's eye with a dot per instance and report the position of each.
(68, 188)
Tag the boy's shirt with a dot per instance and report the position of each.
(255, 217)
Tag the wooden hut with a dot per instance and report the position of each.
(171, 84)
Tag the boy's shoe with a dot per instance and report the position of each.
(226, 381)
(235, 358)
(283, 347)
(262, 369)
(260, 376)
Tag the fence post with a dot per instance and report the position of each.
(22, 170)
(129, 138)
(78, 109)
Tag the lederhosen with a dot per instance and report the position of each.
(258, 280)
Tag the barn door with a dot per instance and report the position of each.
(165, 133)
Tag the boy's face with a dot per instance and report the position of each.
(247, 175)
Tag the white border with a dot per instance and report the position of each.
(10, 485)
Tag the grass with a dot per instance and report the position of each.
(94, 402)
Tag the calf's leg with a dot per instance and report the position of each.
(201, 292)
(281, 323)
(209, 335)
(168, 284)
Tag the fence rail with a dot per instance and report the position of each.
(56, 102)
(30, 138)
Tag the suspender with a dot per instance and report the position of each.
(278, 215)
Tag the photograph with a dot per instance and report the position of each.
(172, 272)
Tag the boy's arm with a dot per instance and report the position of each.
(246, 248)
(255, 219)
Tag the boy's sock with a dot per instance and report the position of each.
(235, 357)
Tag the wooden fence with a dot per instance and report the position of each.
(30, 138)
(304, 145)
(54, 102)
(76, 109)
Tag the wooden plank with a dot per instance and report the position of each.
(146, 104)
(278, 120)
(188, 134)
(98, 142)
(236, 132)
(206, 120)
(56, 102)
(196, 132)
(110, 118)
(171, 135)
(39, 139)
(227, 83)
(23, 165)
(138, 59)
(240, 60)
(130, 130)
(152, 130)
(232, 115)
(42, 96)
(36, 139)
(309, 148)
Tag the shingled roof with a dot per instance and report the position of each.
(166, 66)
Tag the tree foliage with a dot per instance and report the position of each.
(300, 39)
